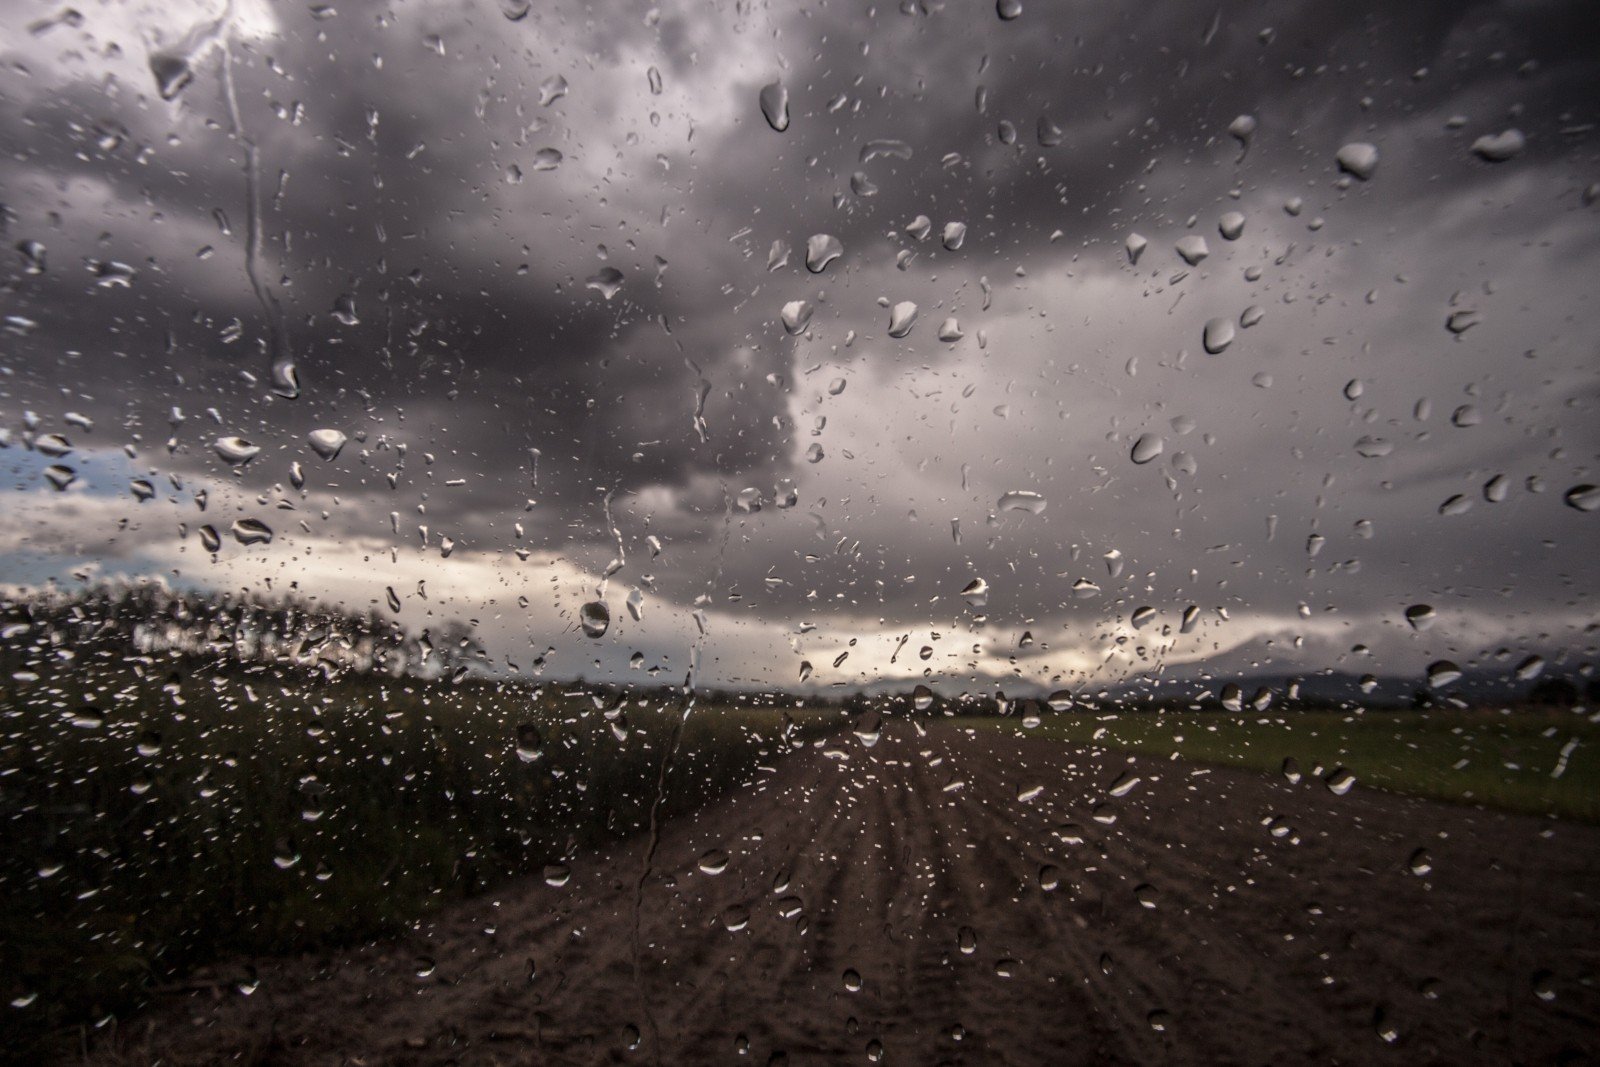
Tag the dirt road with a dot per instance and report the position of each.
(904, 902)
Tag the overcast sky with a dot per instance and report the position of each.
(528, 260)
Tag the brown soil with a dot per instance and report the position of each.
(1185, 931)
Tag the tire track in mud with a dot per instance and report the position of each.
(1307, 946)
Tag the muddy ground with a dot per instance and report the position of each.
(911, 901)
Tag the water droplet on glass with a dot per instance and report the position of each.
(235, 451)
(713, 861)
(1373, 447)
(1147, 448)
(1499, 147)
(1420, 862)
(955, 234)
(1135, 246)
(795, 315)
(546, 159)
(1192, 249)
(33, 256)
(551, 90)
(607, 281)
(967, 940)
(530, 743)
(1442, 672)
(1231, 225)
(1421, 617)
(595, 618)
(901, 318)
(775, 106)
(1218, 335)
(1357, 159)
(885, 148)
(251, 532)
(557, 875)
(1008, 9)
(326, 443)
(1583, 497)
(822, 249)
(1022, 500)
(1339, 781)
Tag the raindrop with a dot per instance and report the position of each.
(1147, 448)
(530, 743)
(595, 618)
(775, 106)
(1420, 862)
(1459, 322)
(1023, 500)
(210, 539)
(235, 451)
(1499, 147)
(950, 330)
(920, 227)
(822, 249)
(955, 233)
(607, 282)
(1008, 9)
(546, 159)
(976, 592)
(1218, 335)
(1231, 225)
(1421, 617)
(1143, 617)
(892, 149)
(901, 318)
(796, 314)
(852, 980)
(1358, 159)
(1442, 672)
(1243, 128)
(922, 698)
(1192, 249)
(1136, 246)
(251, 532)
(551, 89)
(778, 255)
(1373, 447)
(714, 861)
(1339, 781)
(326, 443)
(33, 257)
(1583, 497)
(1250, 316)
(557, 875)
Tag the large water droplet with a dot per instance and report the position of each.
(775, 106)
(235, 451)
(1008, 9)
(547, 159)
(1231, 225)
(1583, 497)
(1358, 159)
(595, 618)
(1147, 448)
(1499, 147)
(795, 315)
(530, 743)
(822, 249)
(1022, 500)
(1192, 248)
(607, 281)
(1421, 617)
(901, 318)
(1218, 335)
(1442, 672)
(251, 532)
(326, 443)
(1136, 246)
(955, 233)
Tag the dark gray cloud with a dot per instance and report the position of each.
(400, 181)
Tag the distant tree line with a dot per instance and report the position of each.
(150, 619)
